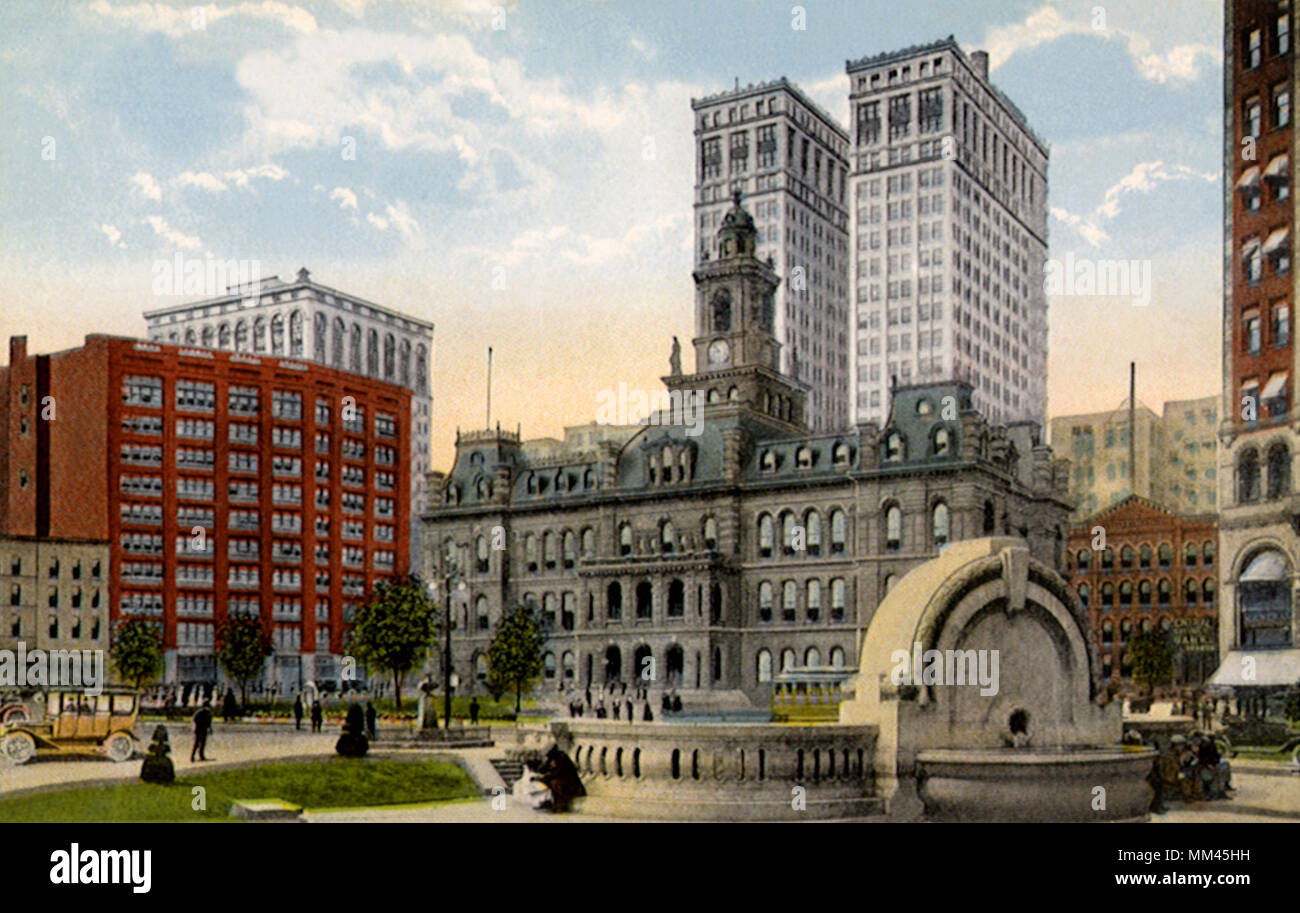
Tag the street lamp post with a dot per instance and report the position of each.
(451, 584)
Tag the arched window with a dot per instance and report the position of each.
(1264, 600)
(839, 531)
(717, 664)
(838, 599)
(1108, 632)
(814, 604)
(404, 363)
(1207, 591)
(840, 454)
(277, 334)
(1144, 594)
(710, 534)
(1108, 595)
(191, 337)
(338, 345)
(1189, 554)
(788, 660)
(548, 664)
(421, 369)
(1107, 558)
(941, 524)
(1126, 556)
(644, 600)
(1248, 476)
(766, 535)
(223, 336)
(548, 550)
(1144, 557)
(241, 336)
(209, 335)
(530, 552)
(589, 543)
(569, 548)
(667, 537)
(722, 311)
(390, 356)
(1279, 471)
(614, 601)
(1207, 554)
(812, 522)
(788, 526)
(789, 600)
(893, 528)
(1165, 555)
(838, 658)
(1164, 592)
(894, 449)
(481, 615)
(1085, 594)
(812, 658)
(942, 442)
(1190, 591)
(259, 334)
(803, 458)
(372, 353)
(763, 662)
(989, 519)
(1083, 558)
(354, 349)
(481, 554)
(568, 667)
(625, 539)
(676, 599)
(295, 333)
(765, 601)
(1126, 594)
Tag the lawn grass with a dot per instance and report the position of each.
(328, 783)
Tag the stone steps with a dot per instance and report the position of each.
(510, 771)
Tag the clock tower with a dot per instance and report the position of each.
(737, 355)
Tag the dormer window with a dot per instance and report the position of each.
(942, 442)
(767, 462)
(803, 458)
(893, 447)
(840, 454)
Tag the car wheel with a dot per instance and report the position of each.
(19, 747)
(119, 747)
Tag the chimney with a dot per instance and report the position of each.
(17, 349)
(980, 61)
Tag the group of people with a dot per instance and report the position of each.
(612, 701)
(316, 712)
(1191, 769)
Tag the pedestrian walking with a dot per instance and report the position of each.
(473, 711)
(297, 712)
(371, 720)
(202, 726)
(317, 715)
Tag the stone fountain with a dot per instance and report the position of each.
(984, 691)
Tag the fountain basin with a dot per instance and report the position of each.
(1069, 784)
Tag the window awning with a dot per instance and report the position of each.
(1249, 178)
(1270, 565)
(1249, 247)
(1276, 384)
(1276, 241)
(1277, 167)
(1270, 668)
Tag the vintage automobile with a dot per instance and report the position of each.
(74, 722)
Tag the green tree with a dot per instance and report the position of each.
(515, 656)
(243, 645)
(137, 651)
(395, 629)
(1151, 655)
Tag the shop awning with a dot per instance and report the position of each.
(1277, 167)
(1267, 566)
(1248, 248)
(1257, 669)
(1276, 384)
(1276, 240)
(1249, 178)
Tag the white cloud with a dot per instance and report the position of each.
(400, 217)
(646, 51)
(202, 180)
(347, 199)
(114, 236)
(474, 13)
(1143, 179)
(239, 177)
(1085, 227)
(148, 186)
(178, 22)
(1179, 63)
(170, 235)
(378, 221)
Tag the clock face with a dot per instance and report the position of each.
(718, 351)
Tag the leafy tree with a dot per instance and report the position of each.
(1151, 654)
(515, 655)
(243, 645)
(395, 629)
(137, 651)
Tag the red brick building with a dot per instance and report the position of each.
(1156, 572)
(224, 484)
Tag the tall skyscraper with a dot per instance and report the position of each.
(949, 188)
(790, 160)
(1259, 516)
(313, 322)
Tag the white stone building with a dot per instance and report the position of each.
(307, 320)
(790, 161)
(949, 189)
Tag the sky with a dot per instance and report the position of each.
(521, 173)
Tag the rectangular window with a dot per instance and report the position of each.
(1282, 34)
(930, 110)
(711, 158)
(900, 117)
(1281, 329)
(767, 147)
(1281, 106)
(1253, 50)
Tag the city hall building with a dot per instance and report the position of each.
(220, 484)
(719, 553)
